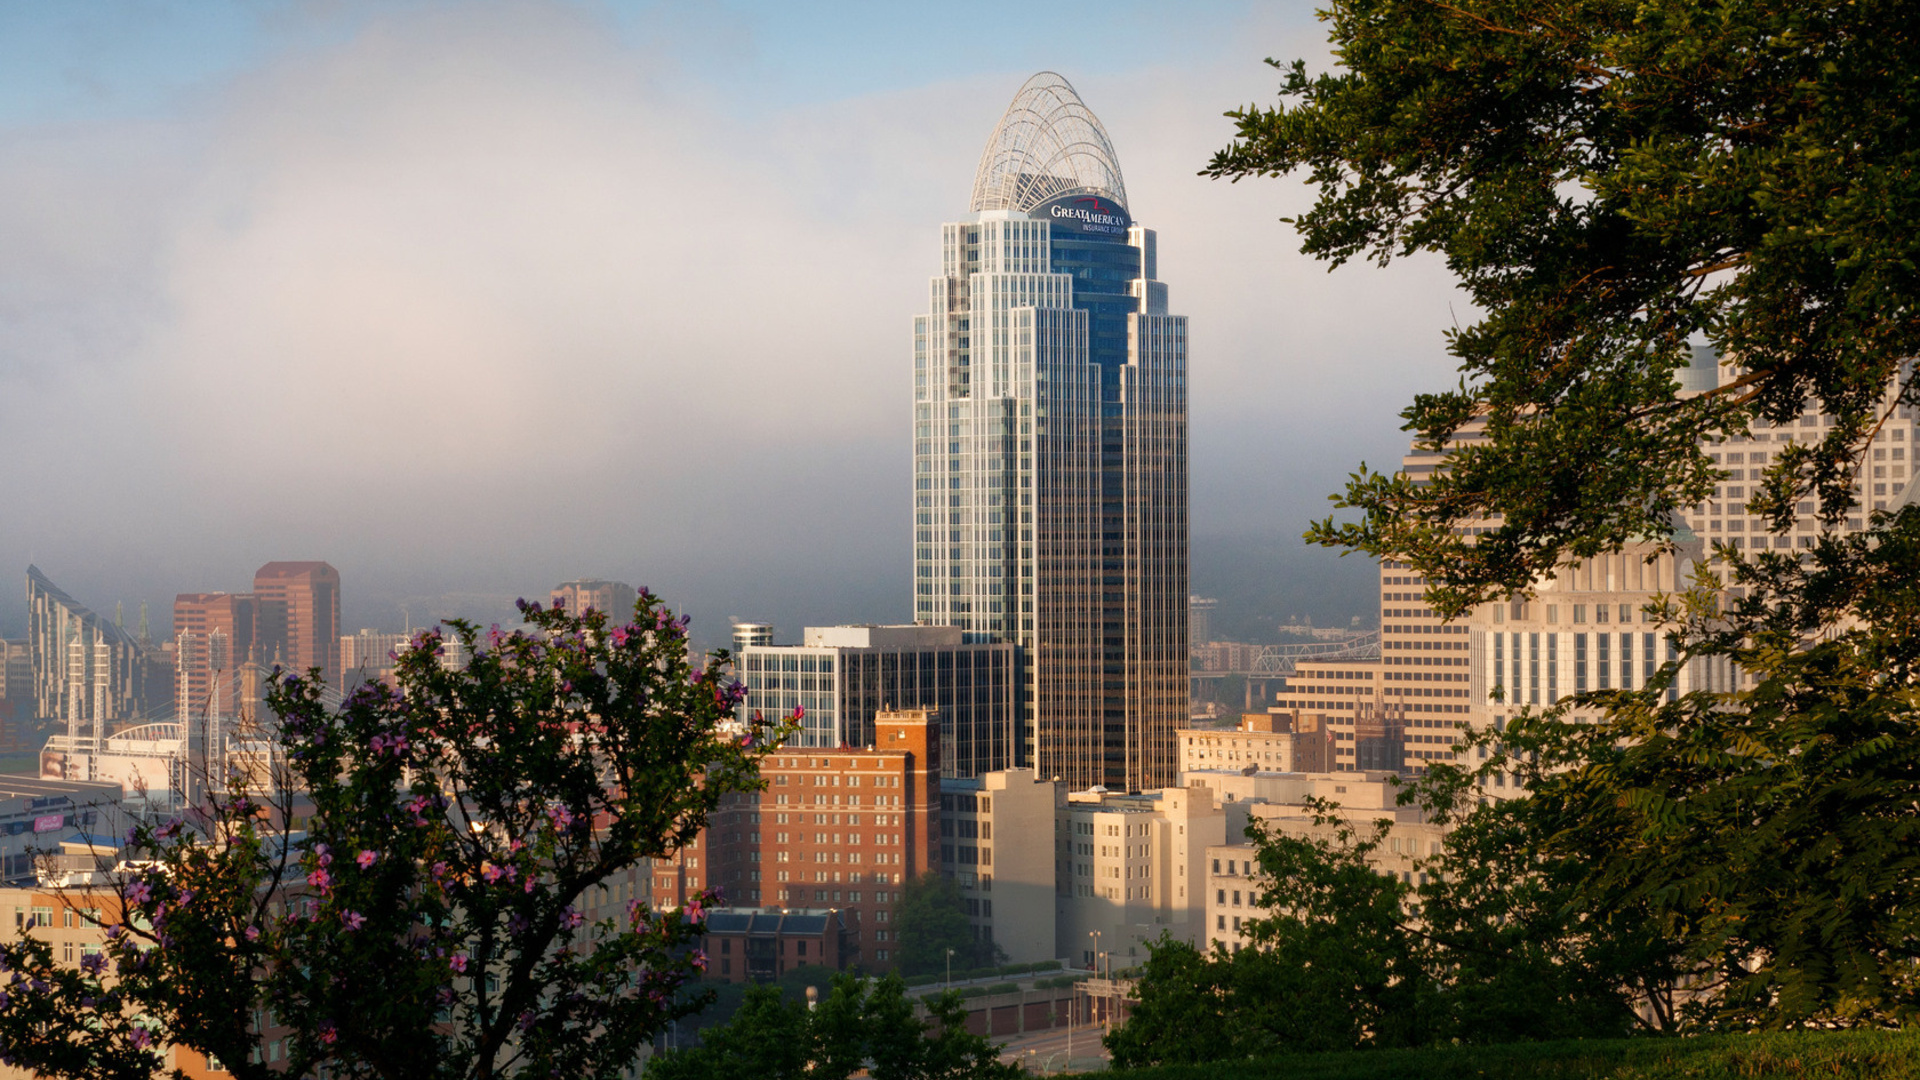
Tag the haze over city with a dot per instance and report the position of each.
(471, 299)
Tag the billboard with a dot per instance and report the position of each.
(1093, 215)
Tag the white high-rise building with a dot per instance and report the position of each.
(1050, 447)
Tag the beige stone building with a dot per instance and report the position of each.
(1130, 868)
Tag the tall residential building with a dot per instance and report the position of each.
(615, 598)
(86, 670)
(1050, 447)
(213, 635)
(297, 617)
(842, 677)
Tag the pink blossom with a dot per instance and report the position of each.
(458, 962)
(699, 958)
(320, 879)
(253, 933)
(354, 920)
(327, 1033)
(696, 913)
(367, 858)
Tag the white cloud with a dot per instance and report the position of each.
(482, 298)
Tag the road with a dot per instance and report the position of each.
(1044, 1053)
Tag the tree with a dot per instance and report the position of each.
(1613, 183)
(432, 919)
(1489, 947)
(1770, 834)
(1609, 181)
(931, 919)
(860, 1024)
(1333, 964)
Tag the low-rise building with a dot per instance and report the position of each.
(36, 813)
(751, 944)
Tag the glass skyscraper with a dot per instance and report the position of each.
(1050, 447)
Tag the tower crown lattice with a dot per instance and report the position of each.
(1047, 144)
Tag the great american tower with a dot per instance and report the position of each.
(1050, 447)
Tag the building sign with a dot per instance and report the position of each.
(1084, 213)
(47, 822)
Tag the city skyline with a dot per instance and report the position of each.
(395, 278)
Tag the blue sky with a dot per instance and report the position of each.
(469, 298)
(65, 62)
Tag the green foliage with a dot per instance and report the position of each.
(1612, 182)
(1609, 181)
(1492, 947)
(860, 1024)
(1333, 965)
(429, 923)
(1853, 1055)
(1772, 834)
(931, 919)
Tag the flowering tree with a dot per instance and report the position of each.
(432, 918)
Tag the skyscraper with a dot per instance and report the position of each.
(86, 670)
(1050, 447)
(297, 617)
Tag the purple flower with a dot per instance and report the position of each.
(354, 920)
(699, 958)
(139, 892)
(571, 919)
(253, 933)
(141, 1038)
(93, 963)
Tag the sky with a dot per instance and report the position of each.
(472, 298)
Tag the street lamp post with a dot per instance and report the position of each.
(949, 969)
(1095, 935)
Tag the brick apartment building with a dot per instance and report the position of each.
(842, 830)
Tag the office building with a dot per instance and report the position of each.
(844, 676)
(86, 670)
(1130, 867)
(986, 847)
(615, 598)
(1050, 447)
(1261, 741)
(370, 655)
(297, 618)
(843, 829)
(213, 644)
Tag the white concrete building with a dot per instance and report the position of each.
(1132, 867)
(992, 843)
